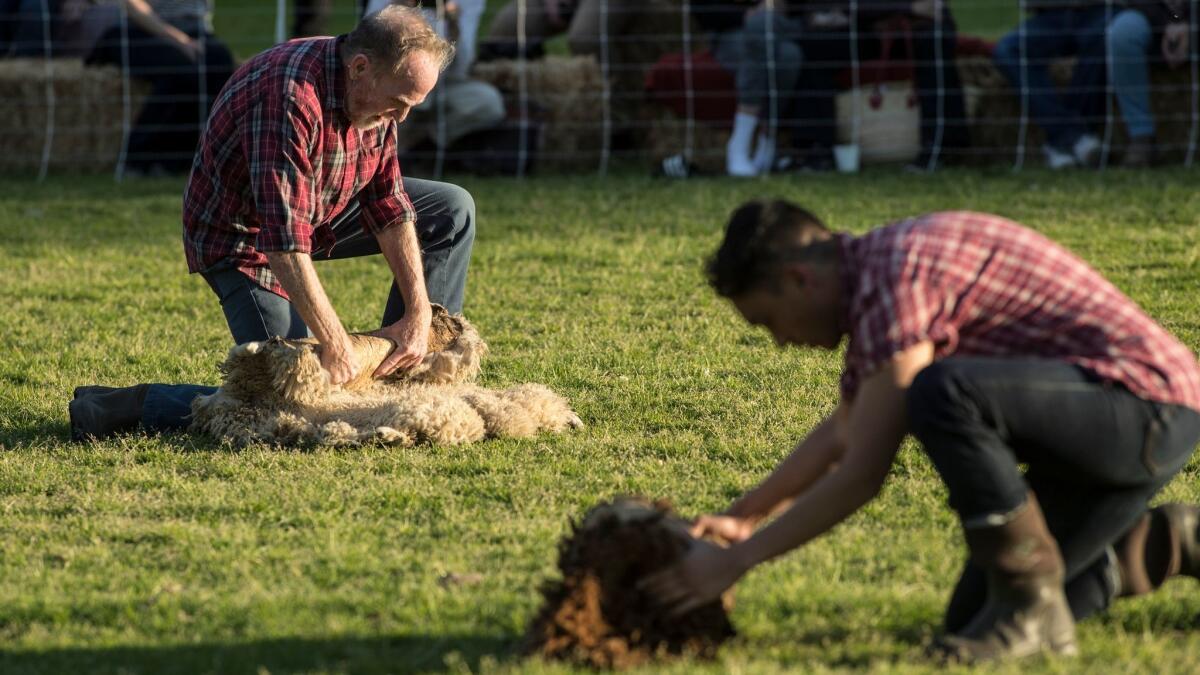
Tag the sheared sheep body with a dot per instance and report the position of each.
(276, 392)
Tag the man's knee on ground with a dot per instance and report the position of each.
(461, 204)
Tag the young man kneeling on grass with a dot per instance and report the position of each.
(992, 345)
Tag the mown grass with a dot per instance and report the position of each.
(177, 555)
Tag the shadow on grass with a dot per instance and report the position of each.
(396, 654)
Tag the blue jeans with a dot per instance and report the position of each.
(744, 52)
(1130, 39)
(446, 231)
(1095, 453)
(1051, 35)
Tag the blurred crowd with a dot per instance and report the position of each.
(786, 60)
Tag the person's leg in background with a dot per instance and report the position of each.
(1046, 37)
(769, 69)
(811, 109)
(944, 124)
(27, 20)
(1130, 39)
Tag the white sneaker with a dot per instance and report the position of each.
(739, 164)
(1057, 159)
(1087, 150)
(764, 154)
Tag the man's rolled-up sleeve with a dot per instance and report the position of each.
(277, 140)
(384, 202)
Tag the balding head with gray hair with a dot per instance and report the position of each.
(388, 36)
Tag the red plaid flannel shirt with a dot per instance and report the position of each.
(981, 285)
(279, 160)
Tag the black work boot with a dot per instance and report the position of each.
(1163, 544)
(99, 412)
(1026, 611)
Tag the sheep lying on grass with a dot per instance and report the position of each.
(276, 392)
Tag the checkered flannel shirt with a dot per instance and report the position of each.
(980, 285)
(279, 160)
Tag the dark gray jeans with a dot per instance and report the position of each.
(446, 230)
(1095, 452)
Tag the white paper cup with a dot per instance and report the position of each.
(846, 157)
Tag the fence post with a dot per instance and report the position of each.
(51, 103)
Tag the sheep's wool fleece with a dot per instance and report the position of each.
(276, 392)
(596, 615)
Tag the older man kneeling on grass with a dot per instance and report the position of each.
(298, 163)
(992, 345)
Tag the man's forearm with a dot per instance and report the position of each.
(811, 459)
(141, 13)
(299, 278)
(834, 497)
(402, 250)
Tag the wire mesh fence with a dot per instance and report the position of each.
(677, 86)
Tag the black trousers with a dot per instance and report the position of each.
(1095, 453)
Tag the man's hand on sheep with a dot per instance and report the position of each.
(338, 360)
(725, 528)
(699, 578)
(411, 335)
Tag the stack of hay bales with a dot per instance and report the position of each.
(995, 111)
(87, 116)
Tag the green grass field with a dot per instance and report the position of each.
(176, 555)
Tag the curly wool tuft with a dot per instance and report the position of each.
(596, 616)
(276, 392)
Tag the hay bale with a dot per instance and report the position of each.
(276, 392)
(87, 120)
(595, 616)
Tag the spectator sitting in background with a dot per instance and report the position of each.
(170, 45)
(1060, 28)
(1134, 35)
(579, 19)
(464, 105)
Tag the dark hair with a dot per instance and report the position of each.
(760, 236)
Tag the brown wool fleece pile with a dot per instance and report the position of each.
(595, 616)
(276, 392)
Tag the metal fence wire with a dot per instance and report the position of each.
(676, 86)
